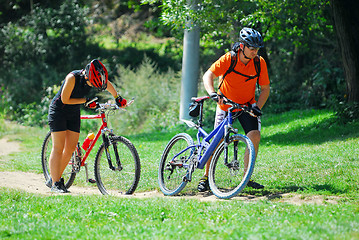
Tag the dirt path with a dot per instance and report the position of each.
(34, 183)
(7, 147)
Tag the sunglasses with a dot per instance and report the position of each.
(253, 48)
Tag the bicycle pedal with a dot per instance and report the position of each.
(186, 179)
(90, 180)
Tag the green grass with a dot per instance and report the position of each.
(301, 152)
(28, 216)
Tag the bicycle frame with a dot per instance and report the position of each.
(182, 155)
(102, 115)
(103, 128)
(216, 134)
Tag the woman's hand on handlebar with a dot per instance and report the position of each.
(120, 101)
(91, 103)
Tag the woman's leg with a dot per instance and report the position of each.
(58, 143)
(70, 146)
(64, 144)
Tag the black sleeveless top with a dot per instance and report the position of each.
(81, 89)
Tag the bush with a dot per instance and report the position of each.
(347, 112)
(37, 49)
(156, 105)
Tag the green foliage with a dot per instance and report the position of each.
(39, 49)
(156, 94)
(215, 18)
(2, 125)
(347, 112)
(300, 46)
(54, 36)
(36, 49)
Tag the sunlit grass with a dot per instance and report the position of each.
(303, 152)
(27, 216)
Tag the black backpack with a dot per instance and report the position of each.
(234, 51)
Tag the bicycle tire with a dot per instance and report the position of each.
(226, 181)
(172, 184)
(115, 182)
(69, 174)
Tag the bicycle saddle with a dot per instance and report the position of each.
(199, 99)
(194, 107)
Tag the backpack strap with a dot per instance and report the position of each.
(231, 67)
(257, 65)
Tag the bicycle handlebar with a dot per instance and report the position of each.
(111, 106)
(243, 107)
(227, 101)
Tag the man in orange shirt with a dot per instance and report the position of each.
(239, 86)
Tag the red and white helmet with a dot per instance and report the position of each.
(97, 74)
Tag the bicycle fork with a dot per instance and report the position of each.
(107, 144)
(234, 162)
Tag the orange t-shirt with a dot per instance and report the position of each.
(235, 87)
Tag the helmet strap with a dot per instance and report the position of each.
(243, 51)
(83, 73)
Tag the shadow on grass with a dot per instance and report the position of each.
(270, 194)
(312, 132)
(316, 189)
(328, 188)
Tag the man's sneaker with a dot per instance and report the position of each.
(203, 184)
(49, 183)
(254, 185)
(59, 187)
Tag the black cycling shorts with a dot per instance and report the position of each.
(62, 121)
(247, 122)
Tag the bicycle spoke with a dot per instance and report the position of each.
(121, 180)
(172, 171)
(227, 180)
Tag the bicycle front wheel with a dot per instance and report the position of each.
(172, 169)
(69, 174)
(226, 180)
(119, 172)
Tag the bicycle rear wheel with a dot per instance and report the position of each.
(124, 178)
(69, 174)
(172, 169)
(227, 180)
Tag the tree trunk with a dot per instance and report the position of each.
(346, 22)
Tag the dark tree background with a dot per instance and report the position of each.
(346, 21)
(311, 46)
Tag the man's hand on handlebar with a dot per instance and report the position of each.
(256, 111)
(216, 97)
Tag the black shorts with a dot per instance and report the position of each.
(64, 120)
(247, 122)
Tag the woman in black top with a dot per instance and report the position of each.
(64, 116)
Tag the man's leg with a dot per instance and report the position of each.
(255, 137)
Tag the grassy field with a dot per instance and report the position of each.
(303, 153)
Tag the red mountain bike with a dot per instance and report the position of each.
(117, 164)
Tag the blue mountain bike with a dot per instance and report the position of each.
(228, 173)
